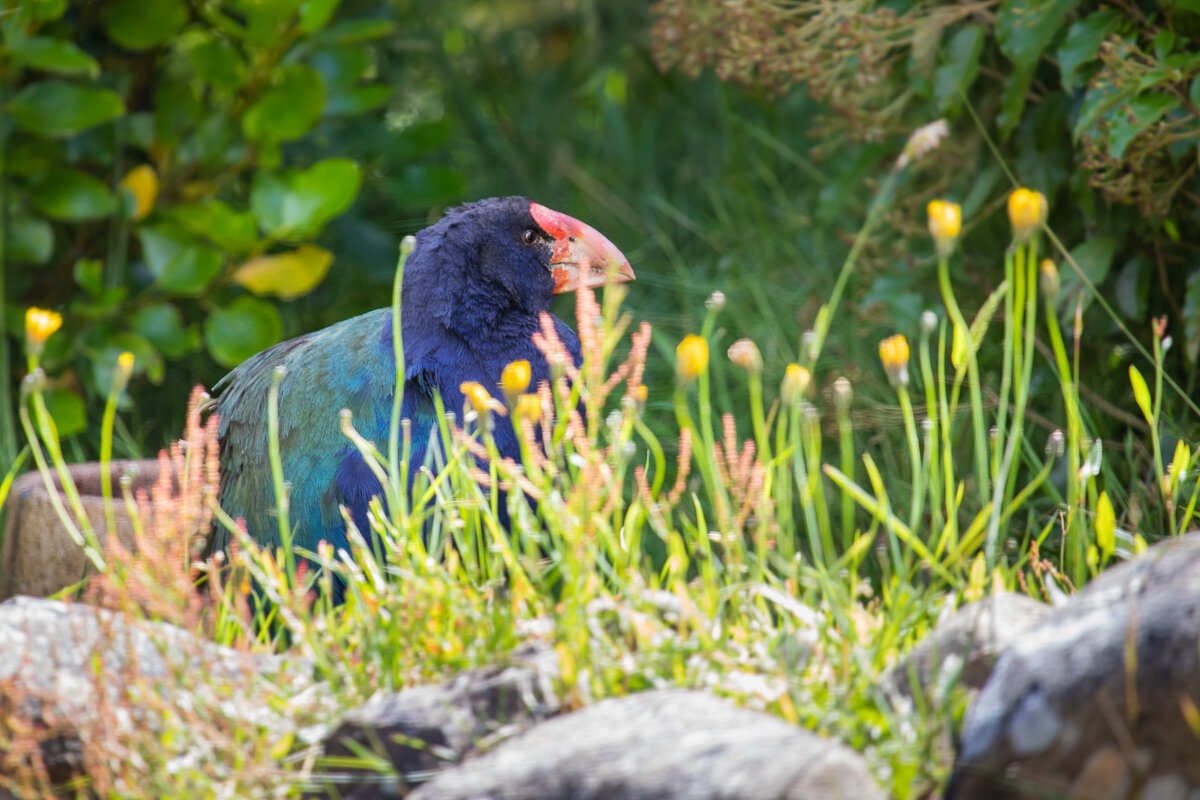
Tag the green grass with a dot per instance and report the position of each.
(783, 554)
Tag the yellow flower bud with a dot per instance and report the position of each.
(515, 379)
(796, 380)
(1026, 211)
(120, 377)
(745, 354)
(479, 398)
(40, 325)
(691, 357)
(945, 223)
(893, 352)
(1048, 278)
(142, 183)
(529, 406)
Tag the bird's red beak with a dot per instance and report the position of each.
(583, 256)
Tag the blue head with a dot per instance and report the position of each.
(487, 260)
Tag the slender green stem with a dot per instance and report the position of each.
(914, 454)
(282, 502)
(968, 343)
(848, 459)
(950, 533)
(106, 441)
(398, 474)
(85, 538)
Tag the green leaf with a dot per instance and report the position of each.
(288, 109)
(1106, 523)
(142, 24)
(266, 19)
(161, 324)
(1012, 100)
(1098, 102)
(298, 206)
(54, 55)
(286, 275)
(89, 274)
(243, 328)
(1191, 316)
(67, 194)
(358, 100)
(1164, 43)
(48, 10)
(30, 240)
(315, 14)
(230, 230)
(67, 410)
(1094, 258)
(176, 111)
(178, 262)
(953, 79)
(1141, 393)
(1025, 27)
(1143, 111)
(59, 109)
(218, 63)
(1083, 42)
(335, 181)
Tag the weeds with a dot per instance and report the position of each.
(787, 568)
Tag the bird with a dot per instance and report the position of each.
(474, 287)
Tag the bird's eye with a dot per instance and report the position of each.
(530, 236)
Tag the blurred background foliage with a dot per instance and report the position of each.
(193, 180)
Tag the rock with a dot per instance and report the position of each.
(1091, 702)
(39, 557)
(975, 635)
(73, 676)
(420, 730)
(660, 745)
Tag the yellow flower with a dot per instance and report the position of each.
(479, 398)
(945, 223)
(745, 354)
(691, 357)
(529, 406)
(515, 379)
(125, 361)
(796, 380)
(142, 183)
(40, 325)
(1049, 278)
(893, 352)
(1026, 211)
(640, 393)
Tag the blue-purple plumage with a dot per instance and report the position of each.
(474, 287)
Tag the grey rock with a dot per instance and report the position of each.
(975, 635)
(1089, 700)
(661, 745)
(424, 729)
(74, 673)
